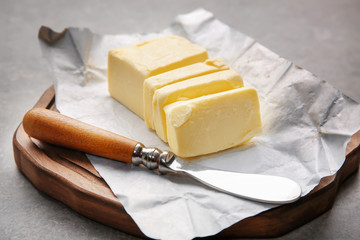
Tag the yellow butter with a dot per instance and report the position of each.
(128, 67)
(156, 82)
(213, 123)
(189, 89)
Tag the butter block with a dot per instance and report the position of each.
(156, 82)
(189, 89)
(128, 67)
(213, 123)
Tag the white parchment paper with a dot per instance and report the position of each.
(307, 125)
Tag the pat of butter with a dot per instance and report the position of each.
(128, 67)
(189, 89)
(213, 123)
(156, 82)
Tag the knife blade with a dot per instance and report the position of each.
(55, 128)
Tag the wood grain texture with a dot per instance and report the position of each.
(55, 128)
(69, 177)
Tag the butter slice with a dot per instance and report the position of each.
(189, 89)
(213, 123)
(156, 82)
(128, 67)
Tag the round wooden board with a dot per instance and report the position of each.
(69, 177)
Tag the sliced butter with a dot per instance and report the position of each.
(156, 82)
(213, 123)
(189, 89)
(128, 67)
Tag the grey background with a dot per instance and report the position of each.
(321, 36)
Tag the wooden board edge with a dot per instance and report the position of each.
(302, 211)
(110, 212)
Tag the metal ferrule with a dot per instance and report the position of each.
(153, 158)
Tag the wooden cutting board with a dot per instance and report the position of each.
(69, 177)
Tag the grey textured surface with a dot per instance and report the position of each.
(321, 36)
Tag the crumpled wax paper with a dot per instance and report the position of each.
(307, 125)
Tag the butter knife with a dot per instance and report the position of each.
(55, 128)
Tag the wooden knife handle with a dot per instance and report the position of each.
(58, 129)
